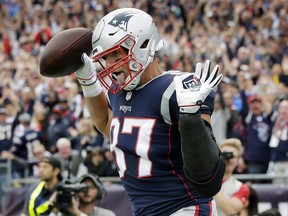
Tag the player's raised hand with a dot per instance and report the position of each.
(191, 98)
(86, 75)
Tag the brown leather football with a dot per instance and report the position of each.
(62, 54)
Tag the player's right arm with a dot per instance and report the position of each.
(95, 97)
(100, 113)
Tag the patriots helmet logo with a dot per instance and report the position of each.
(121, 20)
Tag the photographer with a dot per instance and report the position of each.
(38, 202)
(233, 197)
(84, 202)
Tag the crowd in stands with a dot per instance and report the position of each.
(248, 39)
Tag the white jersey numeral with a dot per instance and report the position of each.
(142, 146)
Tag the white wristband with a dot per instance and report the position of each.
(189, 109)
(92, 90)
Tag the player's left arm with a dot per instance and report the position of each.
(203, 163)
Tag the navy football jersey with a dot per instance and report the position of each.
(5, 137)
(146, 145)
(22, 146)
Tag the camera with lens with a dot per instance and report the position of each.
(227, 155)
(65, 192)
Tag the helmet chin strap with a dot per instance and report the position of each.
(134, 83)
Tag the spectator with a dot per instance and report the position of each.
(252, 208)
(279, 144)
(67, 113)
(85, 135)
(44, 35)
(226, 119)
(9, 97)
(75, 102)
(70, 159)
(23, 145)
(12, 110)
(39, 118)
(87, 200)
(39, 153)
(277, 74)
(113, 171)
(284, 65)
(58, 127)
(219, 119)
(49, 97)
(234, 195)
(50, 176)
(27, 100)
(270, 212)
(5, 131)
(96, 162)
(258, 127)
(28, 168)
(19, 164)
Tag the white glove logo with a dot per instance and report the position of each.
(193, 84)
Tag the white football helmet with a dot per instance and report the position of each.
(128, 28)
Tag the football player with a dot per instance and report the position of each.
(158, 122)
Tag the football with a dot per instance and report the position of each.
(62, 54)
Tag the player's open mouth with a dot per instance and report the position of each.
(119, 77)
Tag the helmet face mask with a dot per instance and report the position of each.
(105, 75)
(122, 30)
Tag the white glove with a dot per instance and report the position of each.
(86, 75)
(190, 99)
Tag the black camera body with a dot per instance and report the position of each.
(65, 192)
(227, 155)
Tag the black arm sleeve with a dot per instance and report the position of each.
(203, 163)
